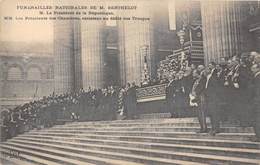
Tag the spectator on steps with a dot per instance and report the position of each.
(198, 94)
(212, 98)
(256, 101)
(227, 84)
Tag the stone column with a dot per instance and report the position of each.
(221, 23)
(63, 56)
(77, 55)
(258, 40)
(255, 31)
(136, 38)
(92, 49)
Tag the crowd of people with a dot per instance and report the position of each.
(93, 104)
(225, 91)
(169, 67)
(228, 90)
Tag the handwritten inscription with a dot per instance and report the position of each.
(11, 154)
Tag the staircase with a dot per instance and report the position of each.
(132, 142)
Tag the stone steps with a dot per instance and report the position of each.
(136, 142)
(76, 153)
(37, 157)
(227, 136)
(122, 125)
(31, 157)
(109, 144)
(113, 151)
(60, 157)
(169, 120)
(159, 129)
(152, 122)
(6, 160)
(155, 116)
(163, 140)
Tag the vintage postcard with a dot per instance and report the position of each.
(129, 82)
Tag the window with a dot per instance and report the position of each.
(34, 74)
(14, 73)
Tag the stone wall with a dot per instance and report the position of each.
(24, 78)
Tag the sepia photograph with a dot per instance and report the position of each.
(130, 82)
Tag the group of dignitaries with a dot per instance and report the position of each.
(227, 91)
(93, 104)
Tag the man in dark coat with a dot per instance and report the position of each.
(256, 70)
(169, 97)
(244, 78)
(198, 92)
(188, 83)
(213, 98)
(131, 100)
(179, 95)
(222, 71)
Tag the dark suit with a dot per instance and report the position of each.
(212, 93)
(243, 96)
(199, 90)
(224, 93)
(187, 83)
(257, 105)
(179, 98)
(131, 102)
(169, 97)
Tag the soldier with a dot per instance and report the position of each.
(256, 71)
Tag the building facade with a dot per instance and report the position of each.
(25, 74)
(132, 45)
(97, 54)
